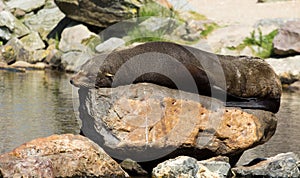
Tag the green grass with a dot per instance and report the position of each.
(142, 35)
(209, 28)
(152, 8)
(197, 16)
(263, 42)
(57, 40)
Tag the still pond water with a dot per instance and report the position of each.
(39, 103)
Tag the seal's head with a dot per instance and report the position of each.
(83, 79)
(87, 76)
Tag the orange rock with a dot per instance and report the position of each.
(59, 156)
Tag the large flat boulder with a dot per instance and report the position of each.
(147, 122)
(99, 13)
(59, 156)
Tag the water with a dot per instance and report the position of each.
(34, 104)
(38, 104)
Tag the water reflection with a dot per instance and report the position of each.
(34, 104)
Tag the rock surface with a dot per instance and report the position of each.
(99, 13)
(50, 18)
(133, 168)
(287, 69)
(218, 165)
(110, 45)
(282, 165)
(287, 41)
(145, 122)
(72, 60)
(32, 41)
(182, 166)
(14, 51)
(59, 156)
(10, 26)
(26, 5)
(73, 38)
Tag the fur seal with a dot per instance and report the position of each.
(247, 82)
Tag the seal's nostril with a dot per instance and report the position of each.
(71, 81)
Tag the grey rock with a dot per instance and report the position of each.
(39, 56)
(75, 38)
(99, 13)
(50, 18)
(133, 168)
(156, 24)
(26, 5)
(286, 42)
(14, 51)
(286, 66)
(182, 166)
(59, 156)
(54, 59)
(281, 165)
(110, 45)
(15, 26)
(32, 41)
(219, 167)
(71, 61)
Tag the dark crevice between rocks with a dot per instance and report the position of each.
(35, 11)
(58, 29)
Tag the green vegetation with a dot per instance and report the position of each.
(91, 42)
(208, 29)
(57, 40)
(152, 8)
(142, 35)
(197, 16)
(264, 43)
(164, 33)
